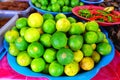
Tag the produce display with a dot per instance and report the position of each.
(100, 15)
(56, 5)
(57, 45)
(3, 21)
(114, 31)
(15, 5)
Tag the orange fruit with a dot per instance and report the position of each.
(65, 56)
(87, 63)
(35, 50)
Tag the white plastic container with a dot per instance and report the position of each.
(19, 12)
(7, 26)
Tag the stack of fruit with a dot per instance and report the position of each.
(57, 45)
(56, 5)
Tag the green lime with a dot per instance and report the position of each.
(37, 64)
(21, 22)
(21, 44)
(13, 50)
(35, 50)
(100, 36)
(60, 2)
(71, 19)
(55, 7)
(75, 42)
(59, 16)
(74, 3)
(33, 1)
(22, 31)
(44, 2)
(53, 1)
(45, 40)
(49, 8)
(56, 69)
(49, 55)
(37, 4)
(58, 42)
(66, 2)
(44, 7)
(87, 50)
(90, 37)
(49, 26)
(104, 48)
(65, 56)
(65, 9)
(48, 16)
(92, 26)
(75, 29)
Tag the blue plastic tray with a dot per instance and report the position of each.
(81, 76)
(92, 2)
(43, 11)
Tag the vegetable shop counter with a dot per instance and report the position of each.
(109, 72)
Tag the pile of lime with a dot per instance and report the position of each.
(57, 5)
(56, 45)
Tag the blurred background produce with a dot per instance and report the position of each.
(114, 31)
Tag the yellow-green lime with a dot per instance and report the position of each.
(87, 49)
(72, 69)
(45, 40)
(78, 55)
(23, 59)
(35, 20)
(59, 16)
(63, 25)
(96, 56)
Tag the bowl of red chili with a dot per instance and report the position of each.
(97, 13)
